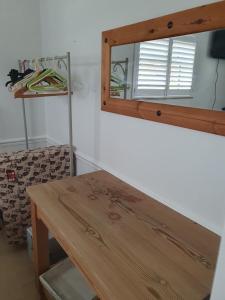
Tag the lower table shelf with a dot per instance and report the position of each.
(64, 282)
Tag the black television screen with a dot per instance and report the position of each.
(217, 47)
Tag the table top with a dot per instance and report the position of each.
(128, 245)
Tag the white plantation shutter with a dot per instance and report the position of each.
(182, 66)
(152, 67)
(165, 67)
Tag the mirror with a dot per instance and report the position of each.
(169, 70)
(186, 71)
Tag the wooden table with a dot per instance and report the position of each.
(126, 244)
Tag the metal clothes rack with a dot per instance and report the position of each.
(123, 65)
(69, 94)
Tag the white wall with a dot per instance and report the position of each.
(20, 38)
(180, 167)
(218, 290)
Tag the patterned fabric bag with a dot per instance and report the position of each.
(20, 170)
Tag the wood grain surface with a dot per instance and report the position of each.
(127, 245)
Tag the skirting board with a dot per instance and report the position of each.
(11, 145)
(86, 164)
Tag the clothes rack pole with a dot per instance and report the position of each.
(24, 114)
(70, 115)
(25, 124)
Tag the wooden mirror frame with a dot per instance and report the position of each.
(195, 20)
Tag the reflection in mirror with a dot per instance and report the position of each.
(186, 70)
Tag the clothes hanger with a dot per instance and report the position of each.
(27, 76)
(65, 65)
(41, 81)
(16, 75)
(22, 82)
(46, 81)
(20, 87)
(55, 82)
(116, 80)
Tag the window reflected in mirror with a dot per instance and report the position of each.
(186, 70)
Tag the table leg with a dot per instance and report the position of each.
(40, 246)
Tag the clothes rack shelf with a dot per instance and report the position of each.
(43, 95)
